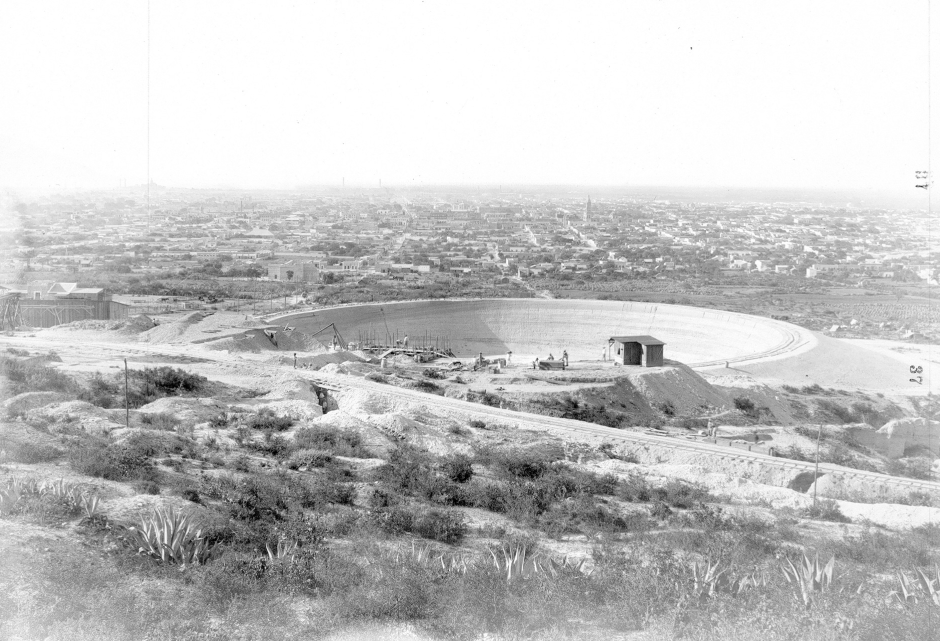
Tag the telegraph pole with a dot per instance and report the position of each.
(127, 409)
(816, 473)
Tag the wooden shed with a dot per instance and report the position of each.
(645, 351)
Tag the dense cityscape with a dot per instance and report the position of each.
(189, 248)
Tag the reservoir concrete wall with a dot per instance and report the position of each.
(537, 327)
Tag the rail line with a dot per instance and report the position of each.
(340, 383)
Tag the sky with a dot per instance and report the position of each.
(278, 94)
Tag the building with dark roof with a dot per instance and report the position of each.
(642, 350)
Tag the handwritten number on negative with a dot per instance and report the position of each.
(917, 369)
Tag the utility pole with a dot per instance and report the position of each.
(816, 473)
(127, 409)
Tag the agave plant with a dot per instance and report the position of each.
(89, 504)
(517, 562)
(283, 550)
(554, 566)
(923, 586)
(25, 487)
(708, 578)
(171, 537)
(69, 493)
(810, 577)
(426, 555)
(9, 497)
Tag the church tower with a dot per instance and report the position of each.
(587, 210)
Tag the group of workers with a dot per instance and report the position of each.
(551, 357)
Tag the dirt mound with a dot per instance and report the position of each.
(743, 386)
(137, 324)
(375, 439)
(199, 327)
(321, 360)
(298, 410)
(679, 385)
(71, 415)
(188, 410)
(297, 389)
(31, 400)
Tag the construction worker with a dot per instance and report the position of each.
(564, 357)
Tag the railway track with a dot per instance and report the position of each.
(560, 426)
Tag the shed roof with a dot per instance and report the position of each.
(642, 339)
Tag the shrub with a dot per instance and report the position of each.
(635, 489)
(33, 452)
(112, 462)
(270, 445)
(328, 439)
(826, 510)
(745, 405)
(667, 408)
(914, 468)
(219, 421)
(266, 420)
(101, 392)
(458, 469)
(842, 414)
(426, 386)
(160, 421)
(660, 510)
(146, 487)
(446, 526)
(308, 458)
(680, 494)
(30, 376)
(480, 425)
(169, 380)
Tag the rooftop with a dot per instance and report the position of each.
(642, 339)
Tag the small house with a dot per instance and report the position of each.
(643, 350)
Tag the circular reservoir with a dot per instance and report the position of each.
(532, 327)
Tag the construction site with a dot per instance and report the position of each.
(573, 427)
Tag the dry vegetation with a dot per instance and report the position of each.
(294, 531)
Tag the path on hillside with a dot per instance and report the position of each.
(559, 426)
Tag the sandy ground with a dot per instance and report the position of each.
(882, 366)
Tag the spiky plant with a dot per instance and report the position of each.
(283, 550)
(9, 497)
(708, 578)
(517, 562)
(89, 504)
(921, 587)
(170, 537)
(809, 577)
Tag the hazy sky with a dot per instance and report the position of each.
(796, 94)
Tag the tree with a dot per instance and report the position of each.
(290, 274)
